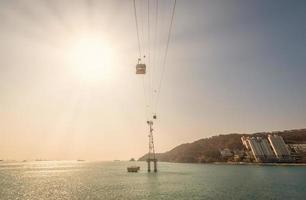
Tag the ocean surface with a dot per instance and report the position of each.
(109, 180)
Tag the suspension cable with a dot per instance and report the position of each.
(165, 56)
(149, 56)
(137, 28)
(155, 59)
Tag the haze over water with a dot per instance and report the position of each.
(109, 180)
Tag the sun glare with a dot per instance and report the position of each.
(91, 58)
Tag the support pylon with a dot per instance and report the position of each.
(151, 154)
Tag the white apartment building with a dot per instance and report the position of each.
(259, 147)
(279, 147)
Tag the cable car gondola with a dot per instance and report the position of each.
(140, 68)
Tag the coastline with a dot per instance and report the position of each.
(259, 164)
(240, 163)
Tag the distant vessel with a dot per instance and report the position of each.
(132, 159)
(133, 169)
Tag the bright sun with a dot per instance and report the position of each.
(91, 58)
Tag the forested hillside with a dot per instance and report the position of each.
(207, 149)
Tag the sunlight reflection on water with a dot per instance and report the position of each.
(109, 180)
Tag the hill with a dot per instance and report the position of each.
(207, 149)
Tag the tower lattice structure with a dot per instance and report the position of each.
(151, 154)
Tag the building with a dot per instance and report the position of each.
(226, 153)
(272, 149)
(255, 147)
(239, 153)
(279, 147)
(259, 148)
(266, 148)
(245, 142)
(298, 148)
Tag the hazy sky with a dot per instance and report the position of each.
(232, 66)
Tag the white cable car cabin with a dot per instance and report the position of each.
(141, 68)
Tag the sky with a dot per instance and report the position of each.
(68, 88)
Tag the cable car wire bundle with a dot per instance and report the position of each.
(152, 85)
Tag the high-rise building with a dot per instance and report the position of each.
(279, 147)
(245, 142)
(263, 150)
(259, 148)
(266, 148)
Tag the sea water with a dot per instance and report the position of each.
(60, 180)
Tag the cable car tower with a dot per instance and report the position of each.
(151, 154)
(141, 69)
